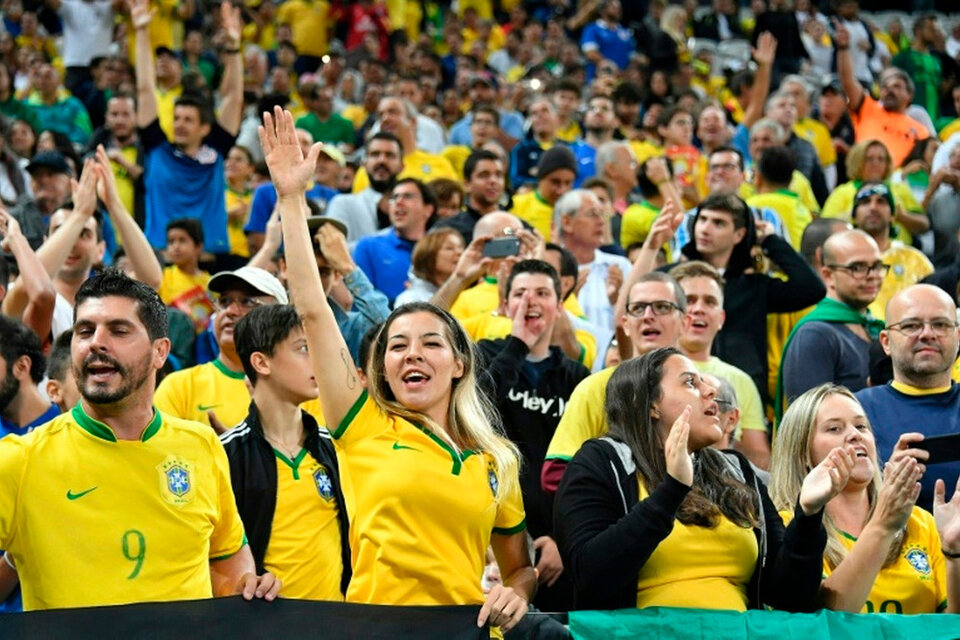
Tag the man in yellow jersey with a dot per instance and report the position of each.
(114, 493)
(214, 393)
(119, 137)
(656, 316)
(765, 134)
(556, 173)
(774, 172)
(567, 95)
(283, 466)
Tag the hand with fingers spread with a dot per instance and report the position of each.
(141, 13)
(502, 608)
(665, 226)
(898, 495)
(826, 480)
(946, 513)
(766, 49)
(289, 170)
(531, 245)
(675, 449)
(231, 23)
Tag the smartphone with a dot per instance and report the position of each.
(941, 448)
(501, 247)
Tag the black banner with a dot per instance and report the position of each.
(236, 618)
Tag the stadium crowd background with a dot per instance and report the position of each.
(536, 168)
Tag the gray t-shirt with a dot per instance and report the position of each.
(825, 352)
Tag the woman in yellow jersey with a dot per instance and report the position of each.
(429, 481)
(238, 169)
(652, 515)
(884, 554)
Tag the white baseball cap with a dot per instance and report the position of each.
(261, 280)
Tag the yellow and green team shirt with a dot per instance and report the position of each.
(421, 514)
(955, 375)
(699, 567)
(786, 203)
(304, 547)
(457, 155)
(583, 419)
(947, 132)
(907, 266)
(125, 184)
(90, 520)
(484, 298)
(638, 218)
(840, 205)
(779, 326)
(177, 282)
(193, 392)
(166, 101)
(570, 133)
(798, 185)
(310, 22)
(235, 235)
(489, 326)
(916, 582)
(419, 164)
(534, 210)
(817, 134)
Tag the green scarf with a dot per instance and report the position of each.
(834, 312)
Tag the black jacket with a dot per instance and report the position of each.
(748, 298)
(530, 413)
(253, 474)
(606, 534)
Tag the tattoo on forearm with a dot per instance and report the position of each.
(351, 372)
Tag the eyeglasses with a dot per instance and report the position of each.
(913, 328)
(861, 269)
(660, 308)
(724, 166)
(725, 405)
(592, 214)
(222, 303)
(403, 196)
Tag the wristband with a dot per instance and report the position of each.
(948, 554)
(231, 51)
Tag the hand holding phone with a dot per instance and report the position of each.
(502, 247)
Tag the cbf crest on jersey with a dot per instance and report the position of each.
(919, 560)
(176, 480)
(492, 479)
(324, 483)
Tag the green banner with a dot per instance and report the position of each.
(700, 624)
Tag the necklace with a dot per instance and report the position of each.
(290, 451)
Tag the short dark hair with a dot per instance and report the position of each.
(777, 165)
(726, 148)
(728, 203)
(669, 114)
(389, 137)
(815, 235)
(58, 362)
(190, 226)
(426, 193)
(261, 330)
(18, 340)
(565, 85)
(535, 266)
(112, 282)
(474, 159)
(489, 109)
(199, 103)
(568, 263)
(627, 92)
(602, 183)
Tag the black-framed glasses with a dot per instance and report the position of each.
(638, 308)
(912, 328)
(246, 303)
(861, 269)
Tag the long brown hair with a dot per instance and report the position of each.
(631, 393)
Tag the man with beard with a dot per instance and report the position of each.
(484, 182)
(22, 408)
(119, 137)
(214, 393)
(600, 122)
(365, 212)
(921, 337)
(831, 344)
(141, 501)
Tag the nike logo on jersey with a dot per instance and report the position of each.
(397, 446)
(207, 407)
(75, 496)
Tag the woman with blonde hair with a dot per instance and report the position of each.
(884, 554)
(870, 161)
(430, 481)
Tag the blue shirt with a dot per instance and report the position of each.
(614, 42)
(511, 123)
(370, 309)
(586, 162)
(7, 427)
(385, 259)
(265, 199)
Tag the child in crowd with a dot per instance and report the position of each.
(184, 284)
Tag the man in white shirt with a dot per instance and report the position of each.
(87, 34)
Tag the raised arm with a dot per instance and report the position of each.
(848, 79)
(231, 87)
(140, 16)
(142, 258)
(333, 367)
(53, 253)
(470, 266)
(764, 55)
(32, 296)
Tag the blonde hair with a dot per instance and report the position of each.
(858, 155)
(473, 422)
(791, 462)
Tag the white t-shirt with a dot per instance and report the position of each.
(593, 296)
(62, 316)
(87, 30)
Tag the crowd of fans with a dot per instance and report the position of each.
(534, 305)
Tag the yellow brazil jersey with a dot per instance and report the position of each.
(193, 392)
(907, 266)
(955, 373)
(644, 150)
(840, 205)
(188, 293)
(795, 215)
(310, 22)
(356, 114)
(699, 567)
(90, 520)
(421, 513)
(949, 130)
(535, 211)
(165, 102)
(570, 133)
(638, 218)
(235, 235)
(304, 547)
(583, 419)
(798, 185)
(267, 38)
(817, 134)
(916, 582)
(161, 27)
(484, 298)
(490, 326)
(419, 164)
(125, 184)
(457, 155)
(779, 326)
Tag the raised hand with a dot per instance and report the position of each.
(826, 480)
(85, 190)
(289, 170)
(656, 169)
(901, 486)
(232, 24)
(107, 184)
(9, 229)
(472, 261)
(333, 246)
(766, 49)
(841, 35)
(665, 226)
(140, 13)
(679, 462)
(947, 516)
(526, 331)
